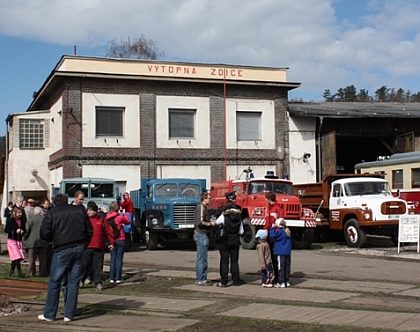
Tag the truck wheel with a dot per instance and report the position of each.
(151, 241)
(248, 240)
(355, 235)
(136, 234)
(302, 238)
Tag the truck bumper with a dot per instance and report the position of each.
(289, 222)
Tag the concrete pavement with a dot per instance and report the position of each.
(388, 302)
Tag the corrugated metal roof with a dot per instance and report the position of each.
(355, 110)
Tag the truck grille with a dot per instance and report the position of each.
(184, 214)
(291, 210)
(393, 208)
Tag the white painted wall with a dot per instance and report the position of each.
(202, 122)
(301, 140)
(267, 126)
(123, 173)
(131, 121)
(56, 126)
(187, 171)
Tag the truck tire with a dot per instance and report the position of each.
(302, 238)
(355, 235)
(151, 241)
(248, 240)
(136, 229)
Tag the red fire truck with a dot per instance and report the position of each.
(250, 197)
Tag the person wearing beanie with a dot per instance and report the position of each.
(281, 235)
(264, 257)
(94, 254)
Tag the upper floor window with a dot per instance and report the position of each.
(31, 134)
(248, 126)
(415, 178)
(181, 123)
(109, 121)
(397, 179)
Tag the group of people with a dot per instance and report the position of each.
(274, 242)
(78, 238)
(23, 222)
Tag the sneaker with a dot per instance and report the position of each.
(67, 319)
(287, 284)
(99, 287)
(41, 317)
(221, 285)
(205, 283)
(112, 281)
(267, 285)
(119, 281)
(87, 281)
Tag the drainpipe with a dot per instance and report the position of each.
(6, 164)
(321, 118)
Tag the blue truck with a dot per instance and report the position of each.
(163, 210)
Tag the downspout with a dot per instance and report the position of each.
(6, 164)
(321, 118)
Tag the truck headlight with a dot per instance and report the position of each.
(155, 221)
(367, 215)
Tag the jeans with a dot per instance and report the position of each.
(284, 262)
(229, 252)
(202, 243)
(116, 262)
(67, 261)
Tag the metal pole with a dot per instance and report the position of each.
(321, 118)
(224, 124)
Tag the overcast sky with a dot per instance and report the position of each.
(326, 44)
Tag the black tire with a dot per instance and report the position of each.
(355, 235)
(151, 241)
(136, 229)
(302, 238)
(248, 240)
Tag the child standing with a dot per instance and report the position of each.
(15, 228)
(264, 256)
(281, 235)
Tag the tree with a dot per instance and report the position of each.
(327, 95)
(350, 93)
(382, 94)
(363, 95)
(142, 48)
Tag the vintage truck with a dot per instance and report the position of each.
(250, 197)
(100, 190)
(163, 210)
(355, 205)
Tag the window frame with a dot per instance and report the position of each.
(31, 134)
(119, 132)
(183, 131)
(415, 177)
(242, 129)
(399, 184)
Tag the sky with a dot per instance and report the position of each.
(326, 44)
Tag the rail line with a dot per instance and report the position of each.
(11, 288)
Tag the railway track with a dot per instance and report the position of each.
(11, 288)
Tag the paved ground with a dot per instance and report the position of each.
(380, 285)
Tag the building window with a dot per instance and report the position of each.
(31, 134)
(109, 121)
(248, 126)
(397, 179)
(181, 123)
(415, 178)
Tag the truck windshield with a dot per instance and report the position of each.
(189, 189)
(367, 188)
(70, 188)
(101, 189)
(277, 187)
(165, 190)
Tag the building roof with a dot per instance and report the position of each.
(395, 159)
(355, 110)
(139, 69)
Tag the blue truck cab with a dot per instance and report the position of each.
(163, 210)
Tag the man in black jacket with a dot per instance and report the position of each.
(69, 229)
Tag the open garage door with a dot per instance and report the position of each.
(328, 154)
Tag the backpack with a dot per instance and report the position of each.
(115, 230)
